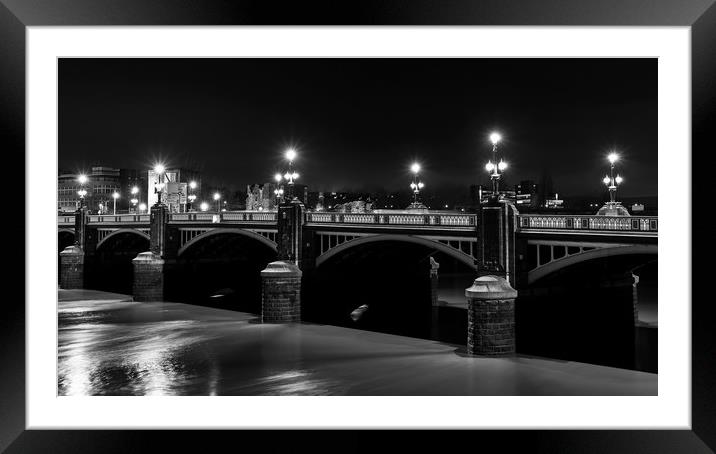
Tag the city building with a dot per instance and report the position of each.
(526, 194)
(172, 188)
(102, 183)
(261, 196)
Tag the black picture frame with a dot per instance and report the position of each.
(700, 15)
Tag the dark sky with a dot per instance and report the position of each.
(359, 123)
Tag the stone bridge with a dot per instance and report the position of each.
(526, 247)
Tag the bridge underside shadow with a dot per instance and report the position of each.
(222, 270)
(110, 268)
(391, 277)
(585, 313)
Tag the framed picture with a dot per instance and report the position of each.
(72, 73)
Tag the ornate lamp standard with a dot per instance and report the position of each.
(290, 174)
(612, 208)
(495, 168)
(82, 192)
(115, 196)
(217, 197)
(416, 185)
(192, 196)
(134, 200)
(159, 170)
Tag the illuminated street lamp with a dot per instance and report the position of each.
(82, 192)
(610, 180)
(217, 197)
(204, 206)
(416, 185)
(142, 207)
(279, 194)
(495, 168)
(159, 170)
(192, 195)
(134, 200)
(290, 174)
(115, 196)
(612, 208)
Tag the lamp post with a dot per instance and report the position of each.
(610, 180)
(217, 197)
(159, 170)
(416, 185)
(192, 195)
(291, 174)
(82, 180)
(134, 200)
(115, 196)
(204, 206)
(279, 189)
(495, 168)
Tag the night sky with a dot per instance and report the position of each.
(357, 124)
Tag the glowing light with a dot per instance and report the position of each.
(159, 169)
(217, 196)
(115, 195)
(192, 184)
(82, 179)
(290, 154)
(489, 166)
(421, 185)
(619, 179)
(277, 177)
(204, 206)
(502, 165)
(606, 180)
(135, 190)
(415, 168)
(495, 137)
(613, 157)
(142, 206)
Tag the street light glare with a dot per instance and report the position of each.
(159, 168)
(619, 179)
(204, 206)
(495, 137)
(290, 154)
(613, 157)
(606, 180)
(415, 168)
(217, 196)
(502, 165)
(192, 184)
(115, 195)
(489, 166)
(135, 190)
(142, 206)
(82, 179)
(277, 177)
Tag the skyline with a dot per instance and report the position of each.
(131, 113)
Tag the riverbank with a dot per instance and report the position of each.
(109, 345)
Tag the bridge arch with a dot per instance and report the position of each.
(120, 231)
(556, 265)
(217, 231)
(452, 252)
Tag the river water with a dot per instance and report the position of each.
(108, 345)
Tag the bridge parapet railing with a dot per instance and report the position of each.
(225, 216)
(432, 219)
(587, 222)
(66, 219)
(118, 218)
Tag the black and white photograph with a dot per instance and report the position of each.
(357, 227)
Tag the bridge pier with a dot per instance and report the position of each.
(491, 317)
(149, 267)
(72, 260)
(281, 293)
(434, 266)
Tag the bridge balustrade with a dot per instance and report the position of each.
(599, 223)
(454, 220)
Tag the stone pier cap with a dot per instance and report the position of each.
(281, 268)
(72, 250)
(148, 257)
(490, 288)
